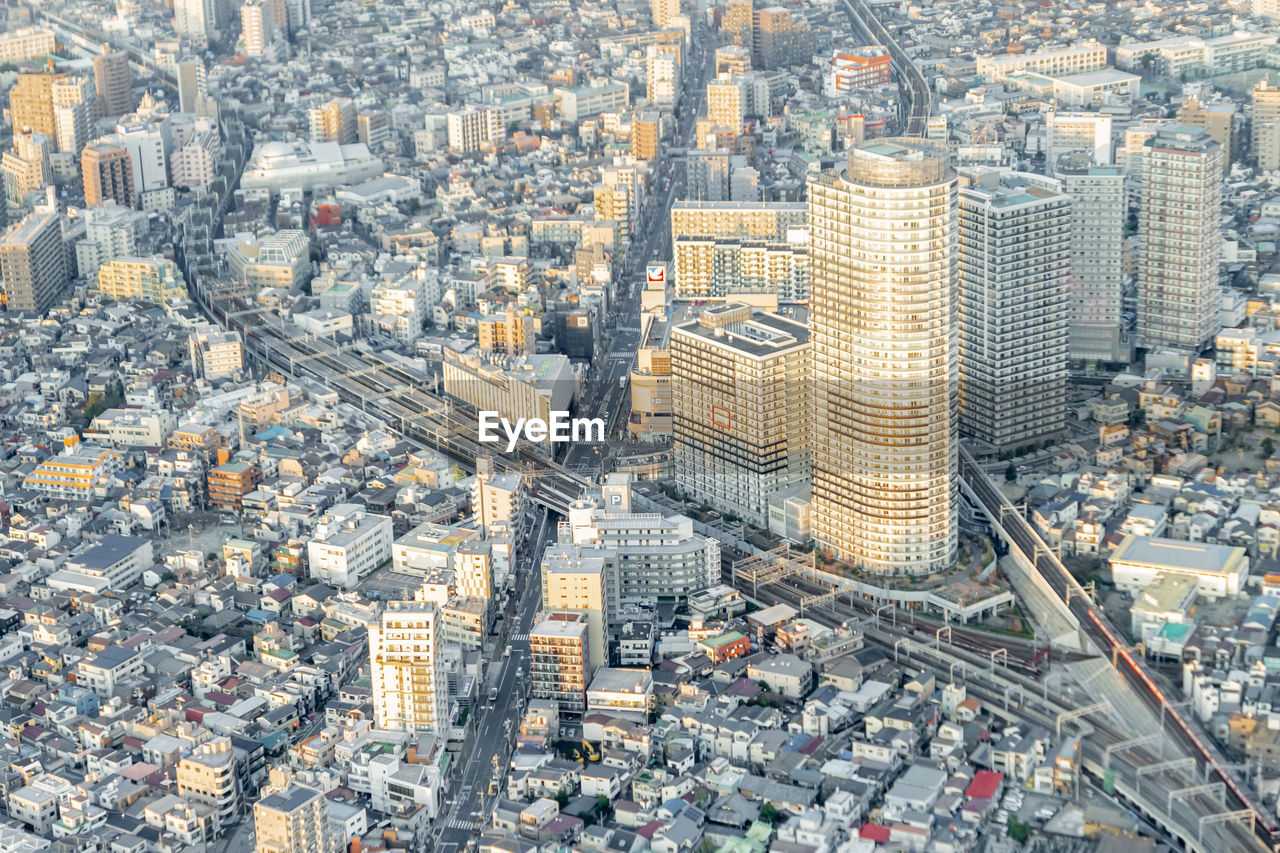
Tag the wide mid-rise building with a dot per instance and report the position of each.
(741, 403)
(156, 280)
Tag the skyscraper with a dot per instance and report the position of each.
(1180, 234)
(740, 383)
(1097, 259)
(114, 82)
(1015, 241)
(883, 328)
(33, 262)
(410, 686)
(107, 170)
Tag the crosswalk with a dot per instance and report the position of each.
(621, 354)
(519, 638)
(463, 823)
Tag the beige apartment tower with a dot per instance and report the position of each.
(33, 262)
(883, 328)
(410, 686)
(741, 394)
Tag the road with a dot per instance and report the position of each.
(651, 241)
(493, 736)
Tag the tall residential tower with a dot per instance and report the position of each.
(883, 331)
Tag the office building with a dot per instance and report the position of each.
(1015, 251)
(650, 387)
(155, 280)
(883, 328)
(1180, 237)
(406, 661)
(600, 95)
(293, 820)
(114, 82)
(530, 386)
(107, 170)
(31, 102)
(373, 130)
(1265, 112)
(207, 775)
(1098, 334)
(348, 545)
(1086, 132)
(740, 388)
(560, 662)
(33, 262)
(576, 579)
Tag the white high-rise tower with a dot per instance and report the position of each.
(883, 318)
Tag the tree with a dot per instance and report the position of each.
(602, 804)
(562, 798)
(1268, 447)
(1017, 830)
(769, 814)
(1010, 473)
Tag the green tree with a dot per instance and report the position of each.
(1017, 830)
(769, 814)
(562, 798)
(1010, 473)
(602, 803)
(1268, 447)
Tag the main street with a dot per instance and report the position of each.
(486, 752)
(495, 727)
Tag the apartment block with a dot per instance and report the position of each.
(1015, 251)
(740, 382)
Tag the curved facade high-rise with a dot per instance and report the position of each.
(884, 337)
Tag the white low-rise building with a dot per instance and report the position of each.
(348, 545)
